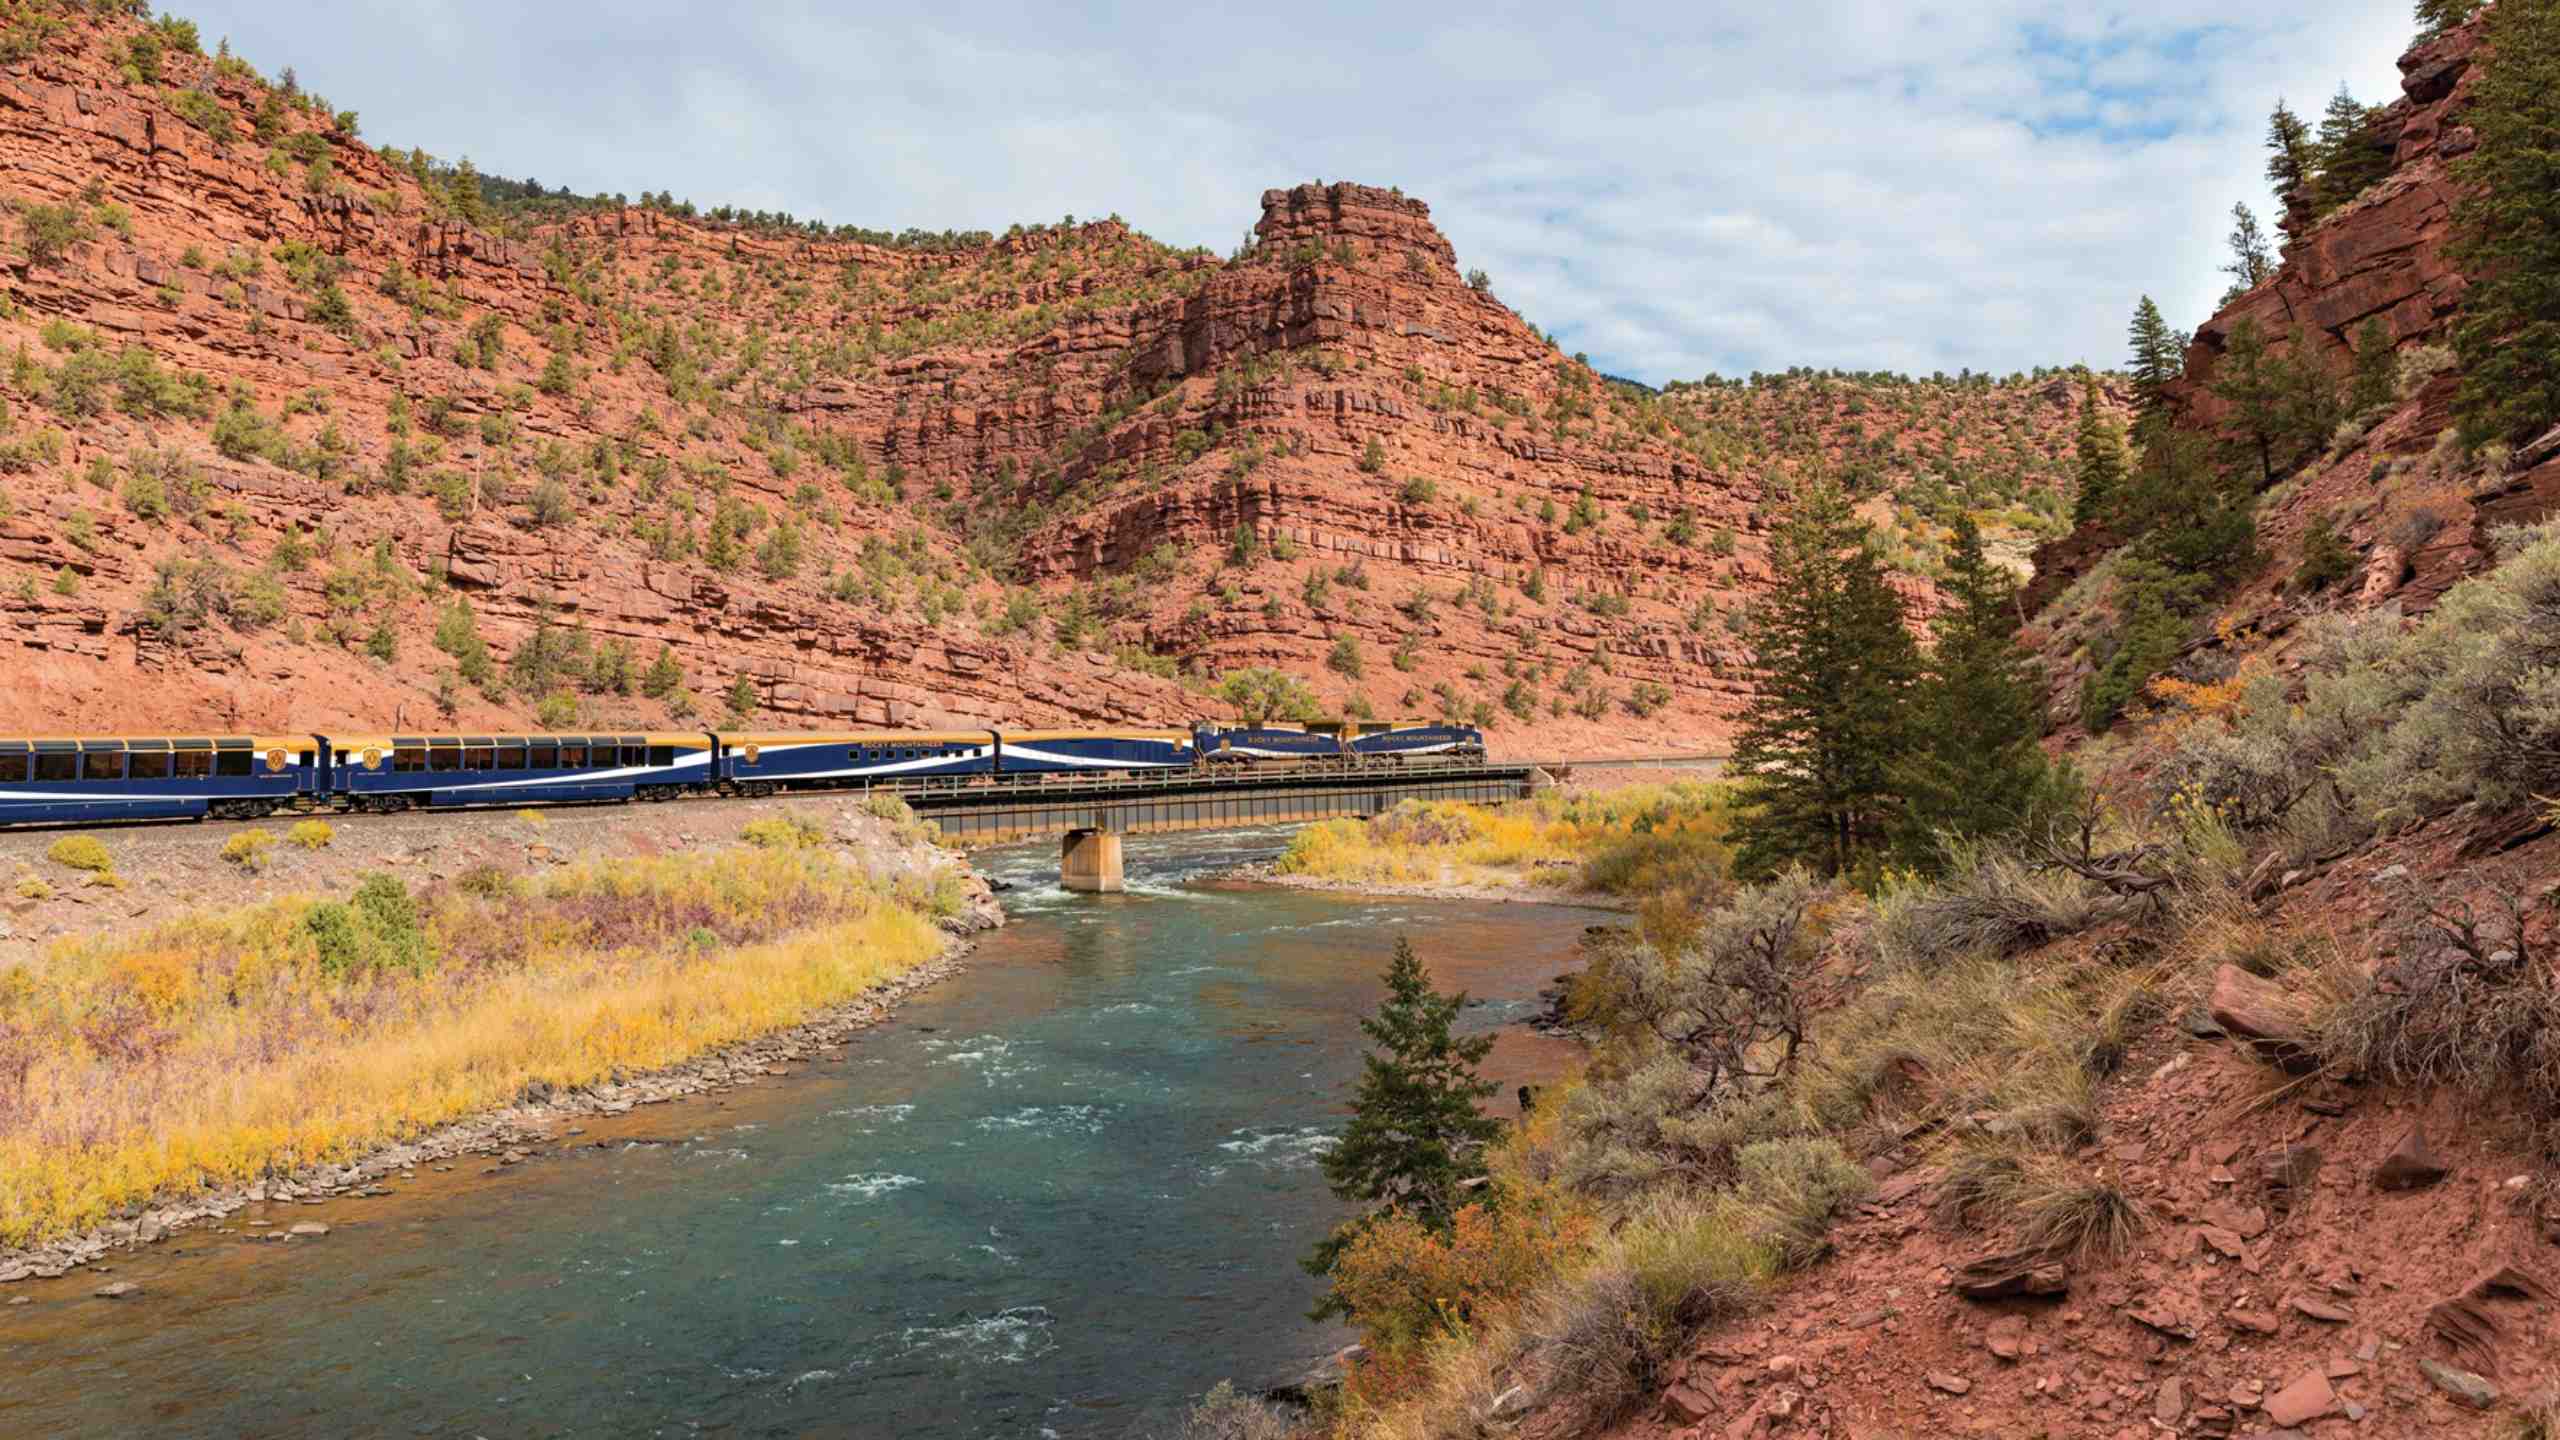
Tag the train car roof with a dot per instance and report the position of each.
(1183, 735)
(857, 737)
(697, 739)
(57, 743)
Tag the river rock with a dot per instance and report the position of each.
(117, 1291)
(309, 1229)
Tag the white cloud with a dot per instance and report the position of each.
(1727, 187)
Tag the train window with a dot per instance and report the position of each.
(573, 757)
(57, 767)
(149, 765)
(234, 764)
(635, 755)
(108, 765)
(441, 758)
(543, 757)
(409, 759)
(478, 757)
(662, 754)
(510, 757)
(13, 769)
(192, 764)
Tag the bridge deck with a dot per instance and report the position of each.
(1137, 803)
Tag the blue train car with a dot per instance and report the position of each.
(1399, 742)
(56, 781)
(1062, 752)
(399, 772)
(1240, 744)
(762, 764)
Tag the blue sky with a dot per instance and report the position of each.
(1674, 189)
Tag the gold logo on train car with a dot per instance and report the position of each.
(275, 761)
(372, 758)
(750, 753)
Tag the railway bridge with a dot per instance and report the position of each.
(1093, 811)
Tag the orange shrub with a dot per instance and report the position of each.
(1405, 1282)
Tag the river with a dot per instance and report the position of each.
(1060, 1194)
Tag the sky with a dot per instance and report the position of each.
(1674, 189)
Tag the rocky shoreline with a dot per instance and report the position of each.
(506, 1137)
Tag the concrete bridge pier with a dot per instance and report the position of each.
(1089, 861)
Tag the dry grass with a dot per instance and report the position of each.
(2468, 1003)
(1639, 840)
(2063, 1209)
(1991, 901)
(219, 1048)
(2540, 1422)
(82, 852)
(1604, 1336)
(249, 849)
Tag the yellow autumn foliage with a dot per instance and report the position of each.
(226, 1046)
(1636, 840)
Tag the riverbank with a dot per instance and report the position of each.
(1558, 883)
(1063, 1189)
(302, 1046)
(1643, 847)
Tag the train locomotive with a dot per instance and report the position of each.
(98, 779)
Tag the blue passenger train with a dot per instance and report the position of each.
(85, 779)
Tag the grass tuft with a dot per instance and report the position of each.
(82, 852)
(2065, 1210)
(248, 849)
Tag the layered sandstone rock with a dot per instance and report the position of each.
(1331, 453)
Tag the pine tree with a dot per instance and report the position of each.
(2154, 605)
(2157, 361)
(665, 675)
(1834, 664)
(2185, 512)
(2289, 153)
(2246, 380)
(2509, 242)
(2349, 160)
(1974, 769)
(463, 190)
(2251, 262)
(2309, 402)
(2376, 381)
(2437, 16)
(2101, 456)
(1415, 1134)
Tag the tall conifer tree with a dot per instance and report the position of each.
(2157, 361)
(2509, 245)
(2349, 158)
(2100, 450)
(2377, 369)
(1415, 1134)
(1835, 665)
(2251, 261)
(1974, 769)
(2289, 153)
(2247, 380)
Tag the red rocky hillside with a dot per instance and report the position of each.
(303, 432)
(2415, 512)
